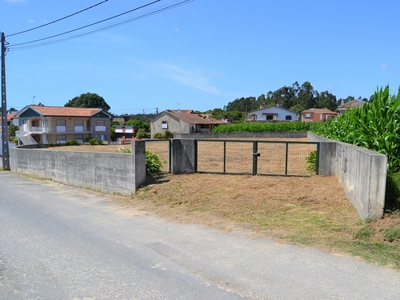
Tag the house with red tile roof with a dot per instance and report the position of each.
(317, 115)
(352, 104)
(183, 121)
(53, 124)
(10, 120)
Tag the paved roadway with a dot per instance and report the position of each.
(58, 242)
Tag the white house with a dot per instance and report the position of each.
(272, 113)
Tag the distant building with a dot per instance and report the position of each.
(352, 104)
(183, 121)
(125, 133)
(10, 120)
(271, 113)
(46, 124)
(317, 115)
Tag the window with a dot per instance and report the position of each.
(60, 125)
(288, 118)
(100, 125)
(164, 125)
(270, 117)
(78, 125)
(308, 116)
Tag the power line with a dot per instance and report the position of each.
(103, 28)
(55, 21)
(89, 25)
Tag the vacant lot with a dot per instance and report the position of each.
(310, 211)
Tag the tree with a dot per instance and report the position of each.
(306, 95)
(12, 129)
(297, 108)
(89, 100)
(243, 104)
(326, 100)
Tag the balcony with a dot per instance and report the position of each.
(56, 129)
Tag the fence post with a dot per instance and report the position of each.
(183, 156)
(255, 157)
(139, 161)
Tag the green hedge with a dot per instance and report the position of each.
(264, 127)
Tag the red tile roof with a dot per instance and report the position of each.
(10, 116)
(65, 111)
(319, 110)
(188, 116)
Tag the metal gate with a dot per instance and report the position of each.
(273, 158)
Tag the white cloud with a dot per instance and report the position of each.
(194, 79)
(384, 66)
(31, 21)
(192, 76)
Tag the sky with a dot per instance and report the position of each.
(200, 55)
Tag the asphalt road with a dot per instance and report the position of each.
(59, 242)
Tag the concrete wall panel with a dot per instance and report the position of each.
(106, 172)
(361, 172)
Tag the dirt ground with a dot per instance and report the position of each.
(217, 200)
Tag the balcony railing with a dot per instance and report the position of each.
(57, 129)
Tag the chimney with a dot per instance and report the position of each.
(280, 104)
(262, 105)
(342, 102)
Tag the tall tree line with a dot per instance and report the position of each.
(295, 97)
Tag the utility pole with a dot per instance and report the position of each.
(4, 126)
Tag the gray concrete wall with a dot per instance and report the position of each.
(183, 156)
(361, 172)
(241, 135)
(106, 172)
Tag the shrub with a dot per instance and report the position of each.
(311, 160)
(264, 127)
(142, 134)
(92, 142)
(153, 163)
(158, 135)
(99, 142)
(12, 129)
(168, 134)
(52, 144)
(71, 142)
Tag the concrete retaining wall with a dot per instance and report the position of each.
(361, 172)
(106, 172)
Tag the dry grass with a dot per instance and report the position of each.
(310, 211)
